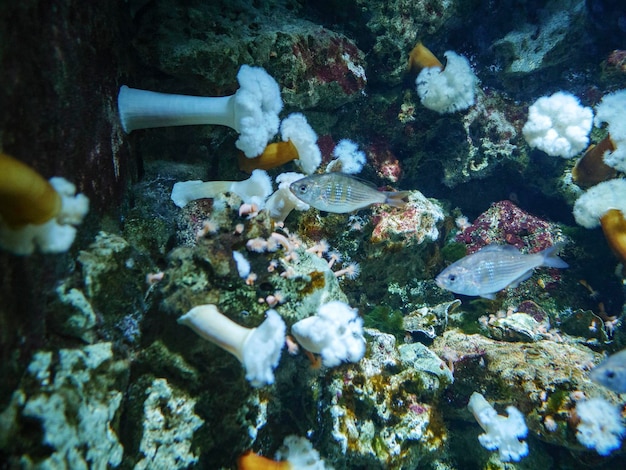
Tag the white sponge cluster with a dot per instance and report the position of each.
(336, 333)
(448, 90)
(600, 425)
(559, 125)
(501, 433)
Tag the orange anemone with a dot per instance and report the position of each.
(421, 57)
(252, 461)
(26, 197)
(591, 169)
(275, 154)
(614, 227)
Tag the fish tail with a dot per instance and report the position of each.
(396, 198)
(550, 258)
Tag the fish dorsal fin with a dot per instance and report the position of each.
(365, 182)
(618, 357)
(355, 178)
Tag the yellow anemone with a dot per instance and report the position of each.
(614, 227)
(26, 197)
(252, 461)
(274, 155)
(421, 57)
(591, 169)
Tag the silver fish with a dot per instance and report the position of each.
(494, 268)
(340, 193)
(611, 373)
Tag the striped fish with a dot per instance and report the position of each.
(340, 193)
(494, 268)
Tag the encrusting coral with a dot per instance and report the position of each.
(69, 401)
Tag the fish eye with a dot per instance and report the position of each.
(302, 188)
(610, 374)
(452, 278)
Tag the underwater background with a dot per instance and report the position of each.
(98, 368)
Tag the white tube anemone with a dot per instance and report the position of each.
(282, 202)
(143, 109)
(336, 333)
(252, 111)
(258, 349)
(255, 189)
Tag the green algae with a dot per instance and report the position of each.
(386, 320)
